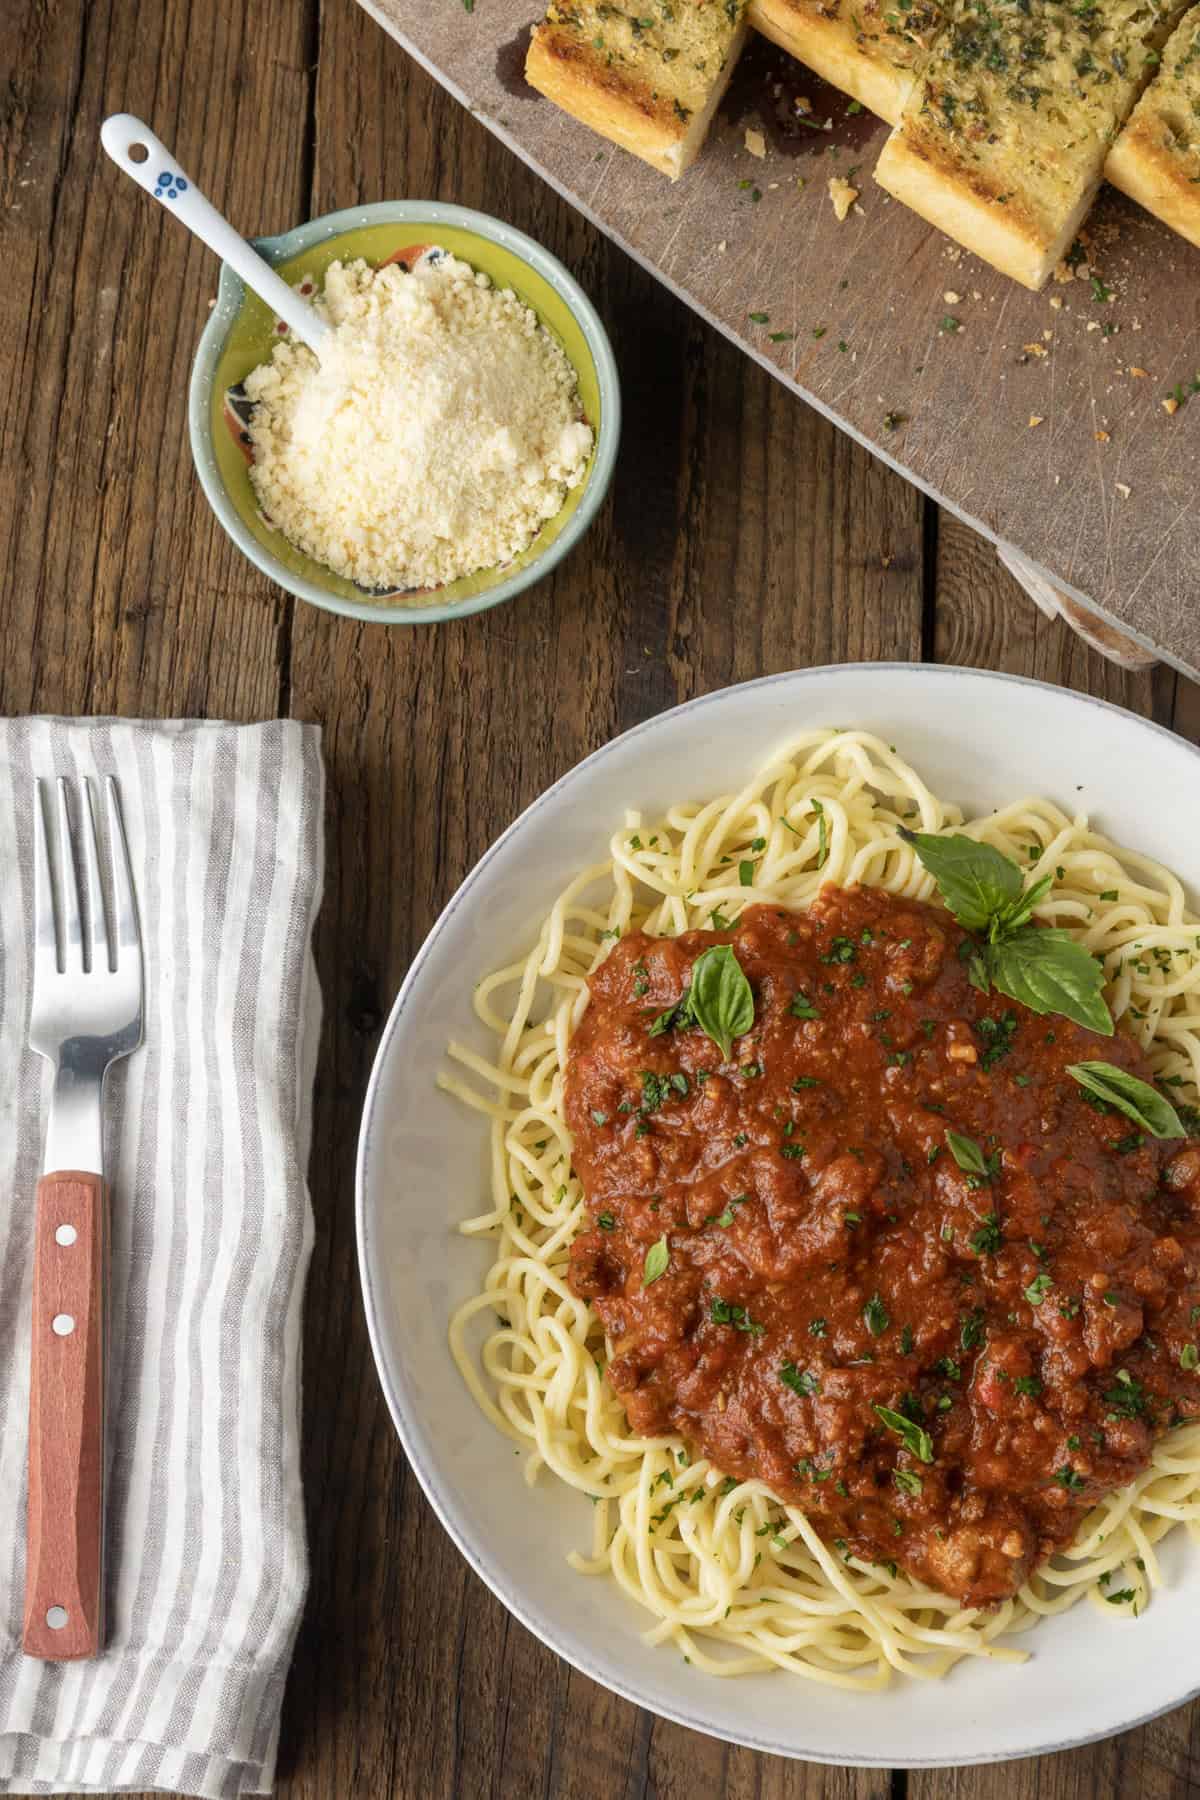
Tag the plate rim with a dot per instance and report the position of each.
(441, 1503)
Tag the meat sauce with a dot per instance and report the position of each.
(1028, 1328)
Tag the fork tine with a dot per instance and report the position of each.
(97, 930)
(125, 924)
(72, 924)
(45, 938)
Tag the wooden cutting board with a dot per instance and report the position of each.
(937, 363)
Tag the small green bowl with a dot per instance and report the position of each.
(241, 332)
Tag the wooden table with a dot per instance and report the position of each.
(744, 535)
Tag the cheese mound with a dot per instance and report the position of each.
(437, 433)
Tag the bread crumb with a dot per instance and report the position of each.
(756, 143)
(1093, 325)
(1035, 349)
(951, 298)
(1101, 437)
(1056, 302)
(1122, 489)
(1138, 374)
(842, 195)
(802, 103)
(1035, 419)
(1170, 404)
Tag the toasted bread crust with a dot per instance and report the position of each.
(651, 98)
(852, 46)
(1154, 161)
(1158, 178)
(1004, 135)
(915, 167)
(610, 99)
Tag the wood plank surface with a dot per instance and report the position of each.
(744, 535)
(866, 301)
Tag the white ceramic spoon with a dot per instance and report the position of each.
(134, 148)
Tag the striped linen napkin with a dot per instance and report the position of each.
(207, 1140)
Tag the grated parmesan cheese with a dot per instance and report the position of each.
(439, 431)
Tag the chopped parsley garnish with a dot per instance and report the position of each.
(875, 1316)
(1189, 1357)
(1066, 1477)
(1038, 1288)
(1027, 1384)
(725, 1219)
(973, 1331)
(803, 1008)
(1126, 1397)
(818, 1328)
(606, 1222)
(841, 950)
(998, 1035)
(988, 1239)
(907, 1480)
(801, 1381)
(722, 1312)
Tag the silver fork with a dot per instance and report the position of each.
(86, 1013)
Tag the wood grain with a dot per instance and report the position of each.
(865, 303)
(64, 1566)
(744, 535)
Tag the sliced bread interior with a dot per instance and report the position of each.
(1003, 139)
(1156, 159)
(871, 49)
(648, 76)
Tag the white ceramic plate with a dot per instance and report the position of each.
(978, 739)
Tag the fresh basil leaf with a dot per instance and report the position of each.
(966, 1153)
(1047, 971)
(1136, 1099)
(914, 1437)
(1018, 914)
(720, 999)
(657, 1258)
(976, 882)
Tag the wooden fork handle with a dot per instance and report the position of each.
(64, 1576)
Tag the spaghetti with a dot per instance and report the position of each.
(732, 1577)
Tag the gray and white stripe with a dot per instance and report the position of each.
(207, 1141)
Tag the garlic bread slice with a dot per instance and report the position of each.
(648, 75)
(1156, 159)
(1003, 138)
(871, 49)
